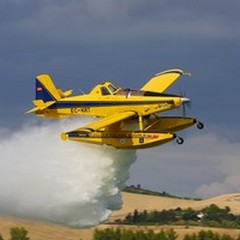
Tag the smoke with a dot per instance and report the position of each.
(44, 178)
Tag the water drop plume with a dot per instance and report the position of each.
(44, 178)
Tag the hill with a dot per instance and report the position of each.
(146, 202)
(42, 231)
(139, 190)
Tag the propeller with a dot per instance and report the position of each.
(186, 102)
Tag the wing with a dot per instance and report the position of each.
(163, 80)
(104, 122)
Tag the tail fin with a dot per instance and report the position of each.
(46, 93)
(45, 89)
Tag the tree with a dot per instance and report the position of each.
(135, 217)
(190, 214)
(161, 235)
(187, 237)
(18, 233)
(171, 234)
(140, 235)
(226, 237)
(127, 235)
(128, 219)
(214, 213)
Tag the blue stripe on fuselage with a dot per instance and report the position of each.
(104, 104)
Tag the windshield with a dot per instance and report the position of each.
(112, 88)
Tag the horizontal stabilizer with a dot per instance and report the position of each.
(40, 105)
(65, 93)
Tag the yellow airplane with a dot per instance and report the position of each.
(128, 117)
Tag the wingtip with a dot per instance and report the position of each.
(187, 73)
(30, 111)
(171, 70)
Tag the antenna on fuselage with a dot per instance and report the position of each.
(79, 89)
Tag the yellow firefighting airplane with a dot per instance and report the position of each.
(128, 117)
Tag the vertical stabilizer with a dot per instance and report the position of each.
(45, 89)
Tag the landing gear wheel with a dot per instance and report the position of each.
(179, 140)
(200, 125)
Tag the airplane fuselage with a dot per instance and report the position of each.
(107, 105)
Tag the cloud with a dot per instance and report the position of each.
(76, 22)
(229, 184)
(226, 155)
(204, 166)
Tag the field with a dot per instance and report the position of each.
(42, 231)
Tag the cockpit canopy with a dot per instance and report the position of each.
(109, 89)
(105, 88)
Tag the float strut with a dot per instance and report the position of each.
(140, 123)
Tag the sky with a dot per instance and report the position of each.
(81, 43)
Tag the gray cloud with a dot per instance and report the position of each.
(81, 43)
(78, 21)
(125, 41)
(206, 165)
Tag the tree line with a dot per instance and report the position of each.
(139, 190)
(211, 216)
(19, 233)
(169, 234)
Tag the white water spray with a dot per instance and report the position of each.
(42, 177)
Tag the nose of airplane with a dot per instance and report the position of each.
(185, 100)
